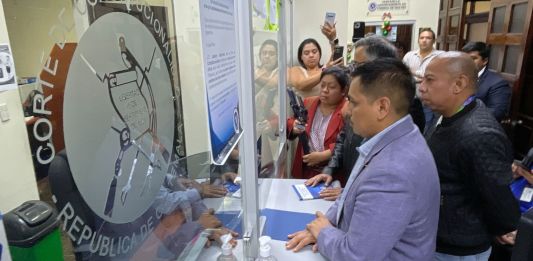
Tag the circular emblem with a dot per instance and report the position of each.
(372, 6)
(236, 120)
(7, 71)
(118, 118)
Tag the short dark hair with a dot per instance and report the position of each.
(341, 75)
(301, 50)
(376, 46)
(269, 42)
(426, 29)
(481, 47)
(388, 77)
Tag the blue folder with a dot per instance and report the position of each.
(278, 225)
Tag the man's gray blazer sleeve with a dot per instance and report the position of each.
(383, 208)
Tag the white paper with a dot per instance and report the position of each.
(219, 47)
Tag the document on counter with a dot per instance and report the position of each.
(305, 192)
(279, 223)
(233, 189)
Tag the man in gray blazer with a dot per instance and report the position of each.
(389, 209)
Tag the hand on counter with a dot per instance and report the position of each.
(330, 194)
(320, 222)
(211, 191)
(209, 220)
(299, 240)
(327, 179)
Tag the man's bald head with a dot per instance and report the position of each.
(457, 63)
(450, 78)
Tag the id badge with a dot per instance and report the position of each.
(527, 194)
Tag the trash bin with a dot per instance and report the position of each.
(32, 232)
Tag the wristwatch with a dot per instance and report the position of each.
(335, 41)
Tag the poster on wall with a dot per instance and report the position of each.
(8, 80)
(219, 48)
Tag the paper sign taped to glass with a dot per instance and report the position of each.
(217, 21)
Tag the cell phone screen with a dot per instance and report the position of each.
(338, 52)
(330, 18)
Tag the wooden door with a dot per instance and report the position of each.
(510, 37)
(450, 29)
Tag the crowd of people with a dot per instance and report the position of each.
(425, 165)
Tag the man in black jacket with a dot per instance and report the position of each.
(344, 153)
(473, 157)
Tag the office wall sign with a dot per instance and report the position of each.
(395, 7)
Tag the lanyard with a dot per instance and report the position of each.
(468, 101)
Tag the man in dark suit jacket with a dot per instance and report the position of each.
(492, 89)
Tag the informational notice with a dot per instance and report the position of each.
(219, 47)
(395, 7)
(7, 69)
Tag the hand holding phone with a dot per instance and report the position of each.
(337, 53)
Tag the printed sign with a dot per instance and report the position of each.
(217, 18)
(395, 7)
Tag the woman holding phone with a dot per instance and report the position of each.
(305, 78)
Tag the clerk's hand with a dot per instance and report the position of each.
(316, 157)
(208, 219)
(299, 240)
(330, 194)
(210, 191)
(320, 222)
(322, 177)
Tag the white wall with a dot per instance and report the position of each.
(308, 15)
(191, 76)
(17, 178)
(425, 13)
(33, 42)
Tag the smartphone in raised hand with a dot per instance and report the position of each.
(337, 52)
(330, 18)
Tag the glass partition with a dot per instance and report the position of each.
(118, 130)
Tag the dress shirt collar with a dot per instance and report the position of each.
(481, 71)
(368, 144)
